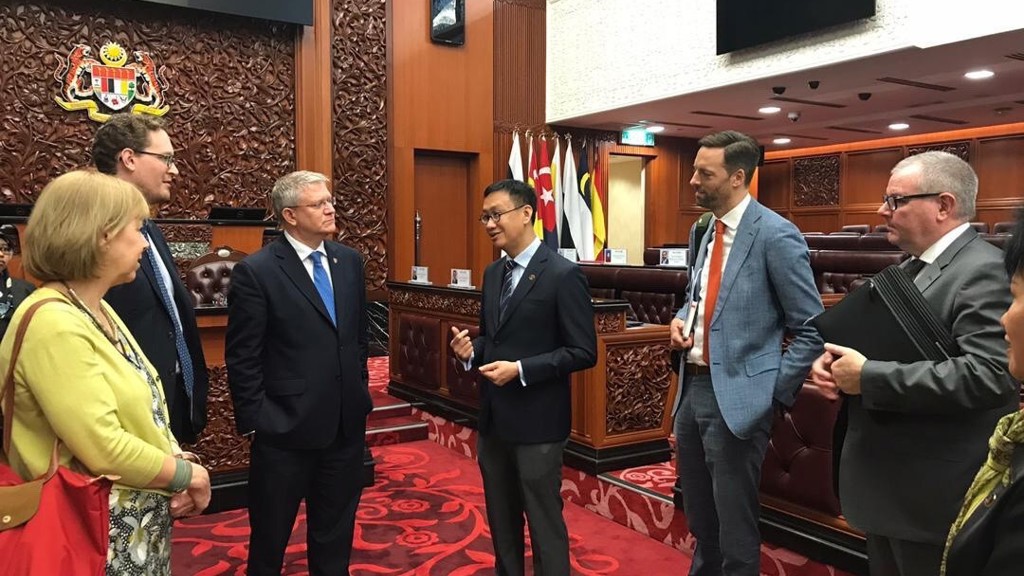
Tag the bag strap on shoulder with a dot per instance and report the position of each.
(8, 394)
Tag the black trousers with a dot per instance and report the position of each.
(524, 479)
(895, 557)
(329, 479)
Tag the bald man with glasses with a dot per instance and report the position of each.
(917, 432)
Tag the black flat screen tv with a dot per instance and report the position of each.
(291, 11)
(746, 23)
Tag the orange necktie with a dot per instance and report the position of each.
(714, 281)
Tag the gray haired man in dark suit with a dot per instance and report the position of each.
(918, 432)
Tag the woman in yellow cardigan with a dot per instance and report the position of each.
(987, 537)
(81, 378)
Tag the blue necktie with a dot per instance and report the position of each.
(184, 359)
(323, 285)
(506, 287)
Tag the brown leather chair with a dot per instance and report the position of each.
(980, 227)
(209, 276)
(856, 228)
(1003, 227)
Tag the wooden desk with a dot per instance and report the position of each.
(620, 407)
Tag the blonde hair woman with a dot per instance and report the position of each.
(81, 378)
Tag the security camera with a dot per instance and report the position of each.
(813, 84)
(778, 90)
(864, 96)
(793, 116)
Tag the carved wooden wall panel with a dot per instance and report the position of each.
(359, 77)
(220, 447)
(638, 386)
(959, 149)
(229, 84)
(447, 303)
(816, 181)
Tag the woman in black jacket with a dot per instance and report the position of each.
(987, 538)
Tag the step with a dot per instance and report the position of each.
(387, 406)
(395, 430)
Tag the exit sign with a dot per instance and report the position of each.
(637, 137)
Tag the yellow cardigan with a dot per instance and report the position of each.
(72, 383)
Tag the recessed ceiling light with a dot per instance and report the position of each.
(769, 110)
(899, 126)
(655, 129)
(781, 141)
(979, 74)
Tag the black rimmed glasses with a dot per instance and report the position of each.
(167, 159)
(496, 216)
(894, 201)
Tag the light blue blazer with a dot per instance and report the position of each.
(767, 290)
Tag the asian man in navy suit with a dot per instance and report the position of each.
(752, 283)
(536, 329)
(296, 350)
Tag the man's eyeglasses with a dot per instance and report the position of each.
(167, 159)
(894, 201)
(321, 205)
(496, 216)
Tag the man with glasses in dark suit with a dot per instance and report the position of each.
(917, 431)
(536, 329)
(156, 307)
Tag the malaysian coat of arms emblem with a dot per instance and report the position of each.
(111, 81)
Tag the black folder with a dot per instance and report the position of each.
(888, 319)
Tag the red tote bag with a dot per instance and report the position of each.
(58, 523)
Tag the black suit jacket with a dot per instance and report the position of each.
(142, 310)
(548, 327)
(295, 379)
(991, 542)
(14, 294)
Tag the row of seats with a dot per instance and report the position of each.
(981, 227)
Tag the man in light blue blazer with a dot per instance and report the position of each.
(734, 369)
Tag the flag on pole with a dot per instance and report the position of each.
(597, 208)
(546, 200)
(532, 177)
(556, 185)
(577, 214)
(515, 159)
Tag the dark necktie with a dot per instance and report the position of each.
(506, 286)
(184, 359)
(323, 285)
(914, 267)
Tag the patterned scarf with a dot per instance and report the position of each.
(994, 473)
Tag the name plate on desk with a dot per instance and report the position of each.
(419, 275)
(569, 254)
(461, 279)
(615, 255)
(675, 257)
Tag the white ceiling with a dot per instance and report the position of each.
(940, 98)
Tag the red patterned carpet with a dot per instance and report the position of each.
(424, 517)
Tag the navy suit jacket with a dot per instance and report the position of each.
(142, 310)
(548, 326)
(295, 378)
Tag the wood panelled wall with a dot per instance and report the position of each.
(440, 110)
(822, 189)
(230, 84)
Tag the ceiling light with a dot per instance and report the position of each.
(769, 110)
(655, 129)
(979, 74)
(781, 141)
(899, 126)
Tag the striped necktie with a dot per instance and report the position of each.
(506, 287)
